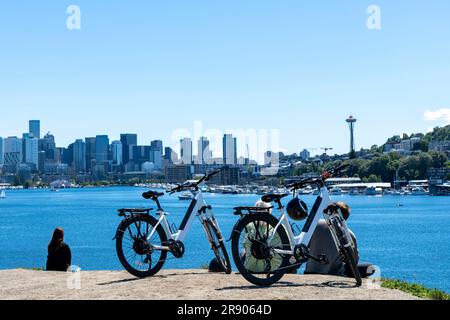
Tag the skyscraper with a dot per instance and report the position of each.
(229, 150)
(170, 156)
(101, 148)
(117, 152)
(35, 128)
(204, 153)
(48, 145)
(141, 154)
(129, 140)
(30, 149)
(90, 152)
(156, 153)
(186, 150)
(79, 156)
(12, 153)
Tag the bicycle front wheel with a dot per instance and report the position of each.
(254, 244)
(347, 252)
(218, 246)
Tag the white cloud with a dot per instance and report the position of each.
(441, 114)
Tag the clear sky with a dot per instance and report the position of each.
(154, 67)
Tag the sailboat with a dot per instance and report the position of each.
(2, 194)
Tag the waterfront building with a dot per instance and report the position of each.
(228, 176)
(35, 128)
(117, 153)
(229, 150)
(178, 173)
(101, 148)
(129, 140)
(186, 151)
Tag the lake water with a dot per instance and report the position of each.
(407, 236)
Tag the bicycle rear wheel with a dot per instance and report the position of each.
(135, 251)
(218, 246)
(253, 255)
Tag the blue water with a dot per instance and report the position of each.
(409, 242)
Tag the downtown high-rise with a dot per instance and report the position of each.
(229, 150)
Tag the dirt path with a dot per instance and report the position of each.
(180, 284)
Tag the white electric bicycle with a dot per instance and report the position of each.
(143, 242)
(265, 247)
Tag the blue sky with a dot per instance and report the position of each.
(153, 67)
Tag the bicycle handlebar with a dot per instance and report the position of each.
(333, 172)
(193, 185)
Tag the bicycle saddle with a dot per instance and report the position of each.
(270, 197)
(152, 194)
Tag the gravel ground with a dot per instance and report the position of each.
(180, 285)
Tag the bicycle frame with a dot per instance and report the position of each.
(194, 210)
(317, 213)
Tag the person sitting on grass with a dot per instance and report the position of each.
(322, 243)
(59, 254)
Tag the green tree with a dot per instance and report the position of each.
(439, 159)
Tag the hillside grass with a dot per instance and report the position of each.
(415, 289)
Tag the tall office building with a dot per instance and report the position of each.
(170, 155)
(35, 128)
(186, 151)
(101, 148)
(90, 152)
(79, 156)
(48, 145)
(30, 149)
(2, 151)
(12, 153)
(229, 150)
(129, 140)
(204, 153)
(117, 152)
(141, 154)
(156, 153)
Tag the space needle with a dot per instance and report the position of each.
(351, 123)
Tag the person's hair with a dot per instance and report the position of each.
(57, 240)
(345, 209)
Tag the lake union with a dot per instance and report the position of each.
(407, 236)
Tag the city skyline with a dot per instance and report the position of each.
(163, 69)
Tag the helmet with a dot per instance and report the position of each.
(297, 209)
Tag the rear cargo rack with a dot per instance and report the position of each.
(240, 211)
